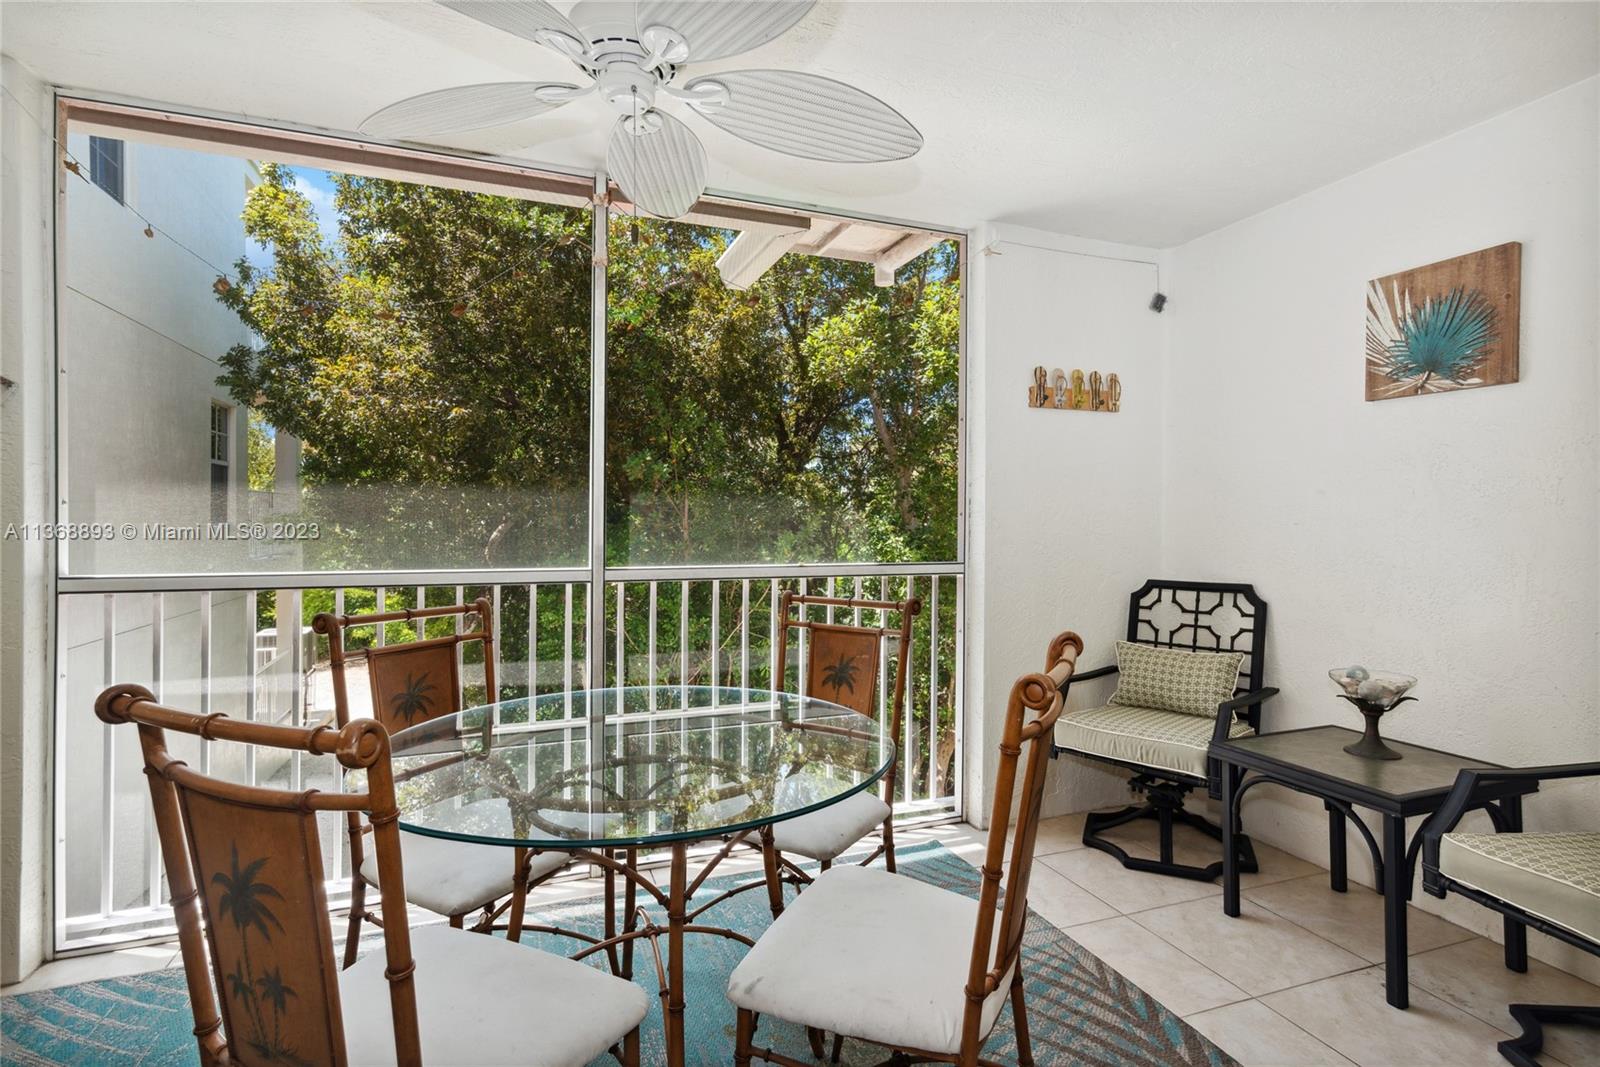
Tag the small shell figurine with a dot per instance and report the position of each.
(1080, 398)
(1113, 393)
(1097, 399)
(1060, 383)
(1039, 394)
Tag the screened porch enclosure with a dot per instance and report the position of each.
(430, 380)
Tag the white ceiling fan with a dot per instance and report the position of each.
(633, 54)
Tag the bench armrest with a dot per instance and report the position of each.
(1467, 795)
(1087, 676)
(1229, 708)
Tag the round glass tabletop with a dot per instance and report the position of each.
(622, 767)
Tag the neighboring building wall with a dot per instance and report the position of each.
(1065, 512)
(27, 448)
(1452, 537)
(141, 337)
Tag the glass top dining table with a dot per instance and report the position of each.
(631, 767)
(606, 774)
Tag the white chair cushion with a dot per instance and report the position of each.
(1555, 876)
(826, 833)
(873, 955)
(485, 1002)
(457, 877)
(1147, 737)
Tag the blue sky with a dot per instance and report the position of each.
(318, 189)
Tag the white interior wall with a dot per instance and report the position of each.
(1452, 537)
(26, 450)
(1065, 509)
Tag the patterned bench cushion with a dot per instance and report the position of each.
(1149, 737)
(1174, 679)
(1553, 876)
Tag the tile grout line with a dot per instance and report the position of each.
(1288, 919)
(1308, 1033)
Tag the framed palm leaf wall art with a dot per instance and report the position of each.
(1447, 326)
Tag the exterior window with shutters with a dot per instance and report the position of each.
(220, 414)
(106, 165)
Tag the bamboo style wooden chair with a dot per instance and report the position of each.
(412, 683)
(866, 954)
(244, 864)
(842, 668)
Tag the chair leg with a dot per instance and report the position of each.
(838, 1048)
(1164, 805)
(744, 1034)
(519, 895)
(769, 860)
(824, 865)
(630, 1048)
(815, 1036)
(888, 844)
(457, 922)
(358, 907)
(1524, 1049)
(1019, 1015)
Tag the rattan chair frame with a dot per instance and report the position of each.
(334, 627)
(1022, 743)
(776, 867)
(361, 745)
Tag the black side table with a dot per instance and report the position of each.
(1313, 761)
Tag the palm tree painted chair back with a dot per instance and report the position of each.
(842, 663)
(414, 681)
(244, 864)
(1025, 742)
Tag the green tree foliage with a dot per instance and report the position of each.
(261, 472)
(434, 362)
(437, 430)
(811, 417)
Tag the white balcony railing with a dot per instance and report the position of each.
(224, 650)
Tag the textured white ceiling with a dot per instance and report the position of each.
(1144, 123)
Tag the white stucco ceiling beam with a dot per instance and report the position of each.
(899, 254)
(752, 253)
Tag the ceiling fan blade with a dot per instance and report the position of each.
(466, 107)
(527, 19)
(664, 170)
(715, 30)
(808, 116)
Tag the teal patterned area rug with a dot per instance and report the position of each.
(1080, 1011)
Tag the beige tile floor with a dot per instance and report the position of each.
(1296, 980)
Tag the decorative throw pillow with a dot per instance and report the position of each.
(1172, 679)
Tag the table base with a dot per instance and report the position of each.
(637, 924)
(1394, 867)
